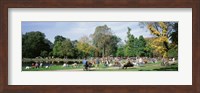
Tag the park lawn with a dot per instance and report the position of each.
(146, 67)
(52, 68)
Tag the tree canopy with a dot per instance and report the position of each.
(34, 44)
(105, 41)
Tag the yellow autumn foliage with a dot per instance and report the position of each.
(153, 30)
(162, 25)
(84, 45)
(161, 37)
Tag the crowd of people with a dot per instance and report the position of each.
(38, 65)
(121, 62)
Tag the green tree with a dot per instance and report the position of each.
(135, 46)
(141, 46)
(120, 49)
(67, 48)
(77, 52)
(58, 46)
(33, 43)
(57, 49)
(59, 38)
(129, 47)
(173, 51)
(148, 49)
(104, 40)
(111, 48)
(44, 53)
(63, 48)
(85, 45)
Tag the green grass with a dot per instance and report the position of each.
(146, 67)
(52, 68)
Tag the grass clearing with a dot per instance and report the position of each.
(146, 67)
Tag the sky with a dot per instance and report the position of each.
(75, 30)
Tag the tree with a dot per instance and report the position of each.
(136, 46)
(174, 35)
(57, 49)
(148, 49)
(33, 44)
(139, 46)
(67, 48)
(49, 43)
(120, 50)
(129, 47)
(59, 38)
(77, 52)
(44, 53)
(84, 45)
(63, 48)
(162, 32)
(173, 52)
(111, 48)
(102, 38)
(57, 46)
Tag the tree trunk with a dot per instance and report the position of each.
(103, 50)
(166, 45)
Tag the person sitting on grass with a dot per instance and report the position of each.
(41, 64)
(36, 65)
(173, 60)
(64, 65)
(141, 62)
(128, 64)
(106, 63)
(33, 65)
(164, 62)
(154, 60)
(75, 65)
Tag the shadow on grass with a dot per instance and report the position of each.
(144, 70)
(162, 69)
(167, 69)
(172, 67)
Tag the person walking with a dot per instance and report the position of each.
(85, 64)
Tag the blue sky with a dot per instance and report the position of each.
(75, 30)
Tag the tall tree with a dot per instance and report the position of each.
(57, 49)
(101, 38)
(129, 47)
(162, 32)
(111, 47)
(120, 50)
(67, 48)
(141, 46)
(33, 43)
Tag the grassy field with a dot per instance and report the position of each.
(146, 67)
